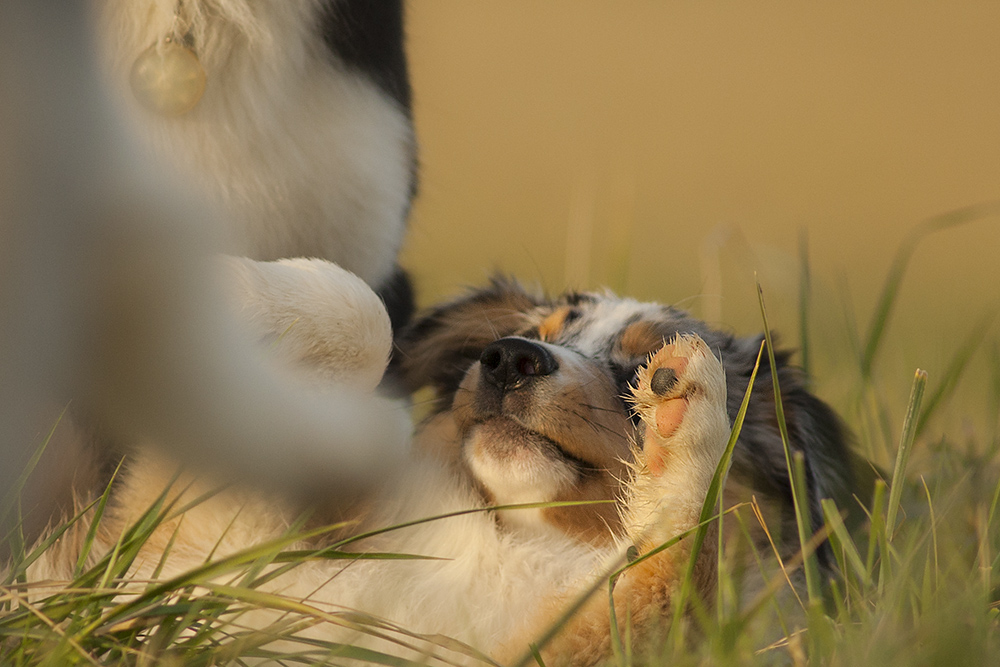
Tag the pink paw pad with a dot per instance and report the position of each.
(661, 402)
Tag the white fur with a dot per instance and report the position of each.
(489, 587)
(309, 158)
(520, 477)
(675, 497)
(605, 319)
(335, 326)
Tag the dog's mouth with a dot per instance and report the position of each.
(506, 439)
(518, 465)
(539, 437)
(553, 431)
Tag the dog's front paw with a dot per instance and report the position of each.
(680, 396)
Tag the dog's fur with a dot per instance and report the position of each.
(301, 145)
(538, 400)
(303, 135)
(616, 335)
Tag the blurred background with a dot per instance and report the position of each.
(669, 150)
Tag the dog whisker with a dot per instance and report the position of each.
(599, 408)
(597, 426)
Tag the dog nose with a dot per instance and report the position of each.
(510, 362)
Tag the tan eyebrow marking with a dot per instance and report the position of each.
(640, 339)
(552, 325)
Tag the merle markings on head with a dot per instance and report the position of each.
(543, 384)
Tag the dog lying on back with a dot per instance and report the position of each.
(585, 397)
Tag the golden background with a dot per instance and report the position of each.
(669, 150)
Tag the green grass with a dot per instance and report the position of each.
(915, 585)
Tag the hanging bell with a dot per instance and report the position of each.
(168, 78)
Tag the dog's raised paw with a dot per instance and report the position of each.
(679, 395)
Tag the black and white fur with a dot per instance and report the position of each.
(304, 133)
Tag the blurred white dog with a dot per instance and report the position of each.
(283, 125)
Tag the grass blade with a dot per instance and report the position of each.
(18, 570)
(910, 426)
(810, 567)
(876, 521)
(843, 542)
(537, 656)
(954, 372)
(88, 541)
(894, 280)
(13, 496)
(474, 510)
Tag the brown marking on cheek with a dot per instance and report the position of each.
(582, 413)
(597, 523)
(640, 339)
(553, 324)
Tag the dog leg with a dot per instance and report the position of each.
(681, 398)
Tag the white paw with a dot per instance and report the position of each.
(680, 396)
(316, 314)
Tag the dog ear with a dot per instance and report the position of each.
(813, 428)
(438, 347)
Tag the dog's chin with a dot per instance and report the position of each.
(515, 464)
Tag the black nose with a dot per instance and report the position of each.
(508, 363)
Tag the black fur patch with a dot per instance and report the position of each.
(397, 294)
(368, 35)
